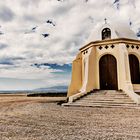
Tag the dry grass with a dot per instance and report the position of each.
(40, 118)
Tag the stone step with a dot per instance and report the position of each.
(95, 97)
(104, 91)
(124, 100)
(106, 96)
(104, 102)
(93, 94)
(100, 92)
(103, 106)
(100, 101)
(109, 100)
(104, 99)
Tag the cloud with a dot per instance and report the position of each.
(3, 46)
(74, 22)
(6, 14)
(63, 68)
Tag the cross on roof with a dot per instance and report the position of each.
(105, 21)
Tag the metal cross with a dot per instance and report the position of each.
(105, 21)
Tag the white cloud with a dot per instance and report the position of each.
(74, 21)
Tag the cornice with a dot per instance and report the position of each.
(110, 41)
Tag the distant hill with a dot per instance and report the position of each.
(55, 89)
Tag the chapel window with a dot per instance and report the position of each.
(106, 33)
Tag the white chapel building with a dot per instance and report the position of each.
(109, 61)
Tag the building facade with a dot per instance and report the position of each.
(109, 61)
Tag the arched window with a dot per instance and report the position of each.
(106, 33)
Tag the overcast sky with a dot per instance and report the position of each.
(40, 38)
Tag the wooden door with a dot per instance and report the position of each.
(134, 69)
(108, 73)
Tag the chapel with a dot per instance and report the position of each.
(109, 60)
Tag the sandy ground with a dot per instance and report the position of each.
(33, 118)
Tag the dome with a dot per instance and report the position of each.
(118, 30)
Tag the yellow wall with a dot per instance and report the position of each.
(76, 80)
(91, 81)
(85, 68)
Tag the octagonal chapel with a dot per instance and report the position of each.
(109, 61)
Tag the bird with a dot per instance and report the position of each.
(32, 30)
(116, 1)
(130, 23)
(50, 22)
(138, 33)
(45, 35)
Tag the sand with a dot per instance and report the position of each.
(40, 118)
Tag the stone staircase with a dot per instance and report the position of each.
(106, 99)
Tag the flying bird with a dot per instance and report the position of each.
(138, 33)
(32, 30)
(50, 22)
(116, 1)
(45, 35)
(130, 23)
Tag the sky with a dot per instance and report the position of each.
(39, 39)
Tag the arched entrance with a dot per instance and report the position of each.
(134, 69)
(108, 72)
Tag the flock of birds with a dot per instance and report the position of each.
(33, 30)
